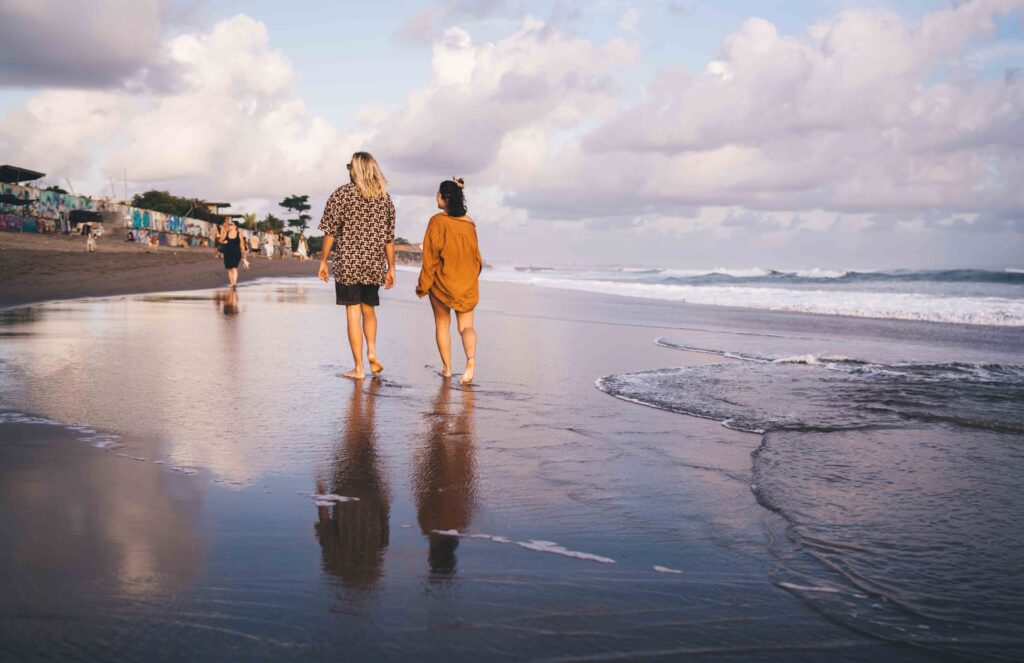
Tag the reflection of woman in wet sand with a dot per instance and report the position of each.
(451, 273)
(444, 476)
(353, 538)
(229, 302)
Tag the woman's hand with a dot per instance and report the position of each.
(323, 273)
(389, 280)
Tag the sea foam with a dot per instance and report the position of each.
(535, 545)
(1000, 311)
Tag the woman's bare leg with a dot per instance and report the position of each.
(442, 330)
(355, 341)
(468, 333)
(370, 331)
(233, 277)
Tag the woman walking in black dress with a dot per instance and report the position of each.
(233, 249)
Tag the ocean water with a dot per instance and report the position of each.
(899, 481)
(967, 296)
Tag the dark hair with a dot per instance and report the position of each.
(454, 199)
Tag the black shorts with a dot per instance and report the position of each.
(357, 293)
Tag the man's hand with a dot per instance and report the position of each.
(323, 273)
(389, 280)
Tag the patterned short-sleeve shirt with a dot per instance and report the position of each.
(361, 228)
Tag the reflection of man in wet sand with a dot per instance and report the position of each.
(444, 476)
(354, 535)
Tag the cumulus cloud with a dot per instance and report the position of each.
(68, 43)
(431, 21)
(484, 96)
(846, 118)
(232, 129)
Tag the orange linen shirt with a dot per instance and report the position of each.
(451, 262)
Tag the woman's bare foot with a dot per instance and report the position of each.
(446, 372)
(375, 365)
(467, 375)
(355, 374)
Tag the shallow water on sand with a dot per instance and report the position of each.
(900, 483)
(196, 478)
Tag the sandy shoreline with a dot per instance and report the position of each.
(39, 268)
(248, 396)
(533, 453)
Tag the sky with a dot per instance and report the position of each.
(831, 134)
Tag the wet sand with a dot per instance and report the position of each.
(38, 268)
(588, 527)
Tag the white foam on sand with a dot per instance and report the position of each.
(811, 359)
(184, 470)
(805, 588)
(22, 418)
(327, 499)
(532, 544)
(552, 547)
(665, 569)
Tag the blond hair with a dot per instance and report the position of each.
(366, 176)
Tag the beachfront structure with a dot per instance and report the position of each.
(25, 208)
(409, 254)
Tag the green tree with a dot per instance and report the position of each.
(55, 189)
(162, 201)
(270, 222)
(297, 205)
(401, 241)
(250, 221)
(315, 243)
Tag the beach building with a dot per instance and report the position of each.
(408, 254)
(25, 208)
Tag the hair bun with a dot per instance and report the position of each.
(459, 181)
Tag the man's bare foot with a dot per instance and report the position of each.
(446, 373)
(467, 375)
(375, 365)
(355, 374)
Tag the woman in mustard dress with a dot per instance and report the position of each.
(451, 273)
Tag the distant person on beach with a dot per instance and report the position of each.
(451, 273)
(268, 244)
(254, 245)
(90, 238)
(232, 248)
(359, 224)
(303, 249)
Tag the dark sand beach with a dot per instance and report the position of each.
(185, 475)
(36, 268)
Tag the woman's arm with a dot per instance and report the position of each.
(431, 258)
(389, 242)
(389, 251)
(323, 272)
